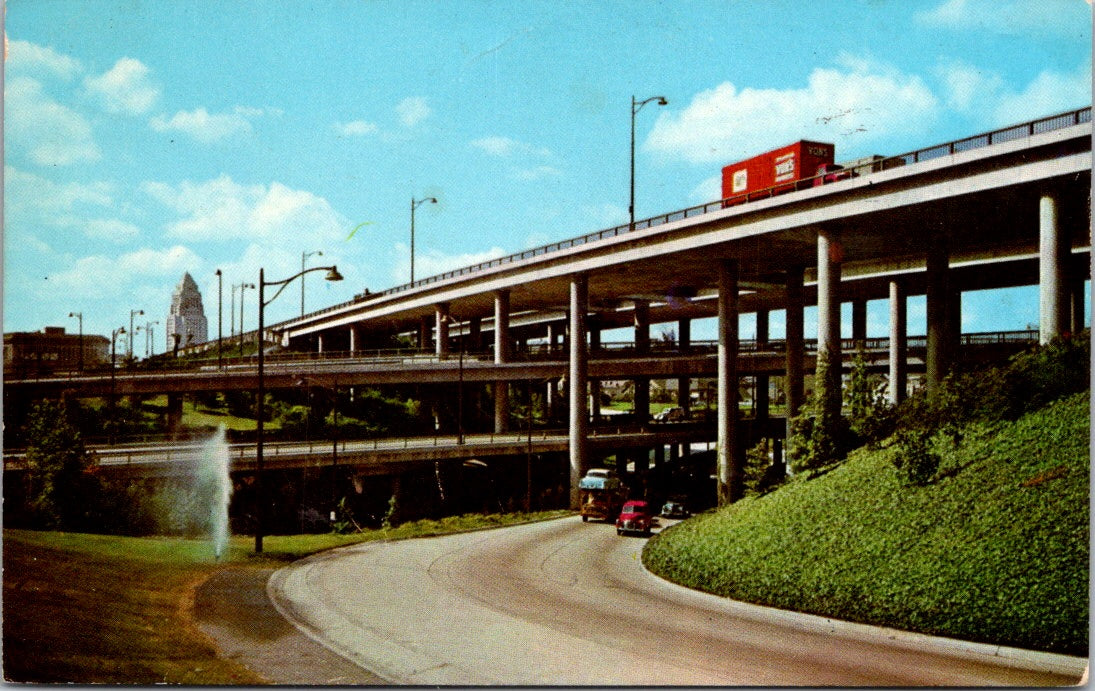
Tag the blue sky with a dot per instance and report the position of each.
(144, 139)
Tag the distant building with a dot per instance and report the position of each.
(187, 316)
(52, 350)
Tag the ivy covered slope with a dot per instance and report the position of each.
(994, 549)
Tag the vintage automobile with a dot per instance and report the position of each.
(675, 509)
(635, 517)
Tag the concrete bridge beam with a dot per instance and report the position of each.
(441, 325)
(830, 255)
(899, 344)
(730, 475)
(1053, 255)
(794, 329)
(576, 384)
(503, 346)
(642, 347)
(936, 287)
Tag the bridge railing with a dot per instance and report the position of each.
(1006, 134)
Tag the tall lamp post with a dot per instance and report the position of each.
(304, 256)
(332, 275)
(129, 353)
(242, 287)
(113, 349)
(80, 355)
(149, 341)
(636, 106)
(220, 321)
(415, 203)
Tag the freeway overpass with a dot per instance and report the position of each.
(1004, 208)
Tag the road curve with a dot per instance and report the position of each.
(567, 603)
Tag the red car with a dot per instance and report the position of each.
(635, 517)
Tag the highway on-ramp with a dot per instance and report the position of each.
(567, 603)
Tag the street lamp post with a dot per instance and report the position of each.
(149, 342)
(332, 275)
(415, 203)
(129, 353)
(242, 287)
(80, 355)
(303, 257)
(636, 106)
(113, 350)
(220, 321)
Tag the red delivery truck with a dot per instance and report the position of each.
(787, 164)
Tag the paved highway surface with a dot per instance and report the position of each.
(567, 603)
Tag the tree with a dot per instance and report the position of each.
(63, 491)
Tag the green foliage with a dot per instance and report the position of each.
(996, 550)
(819, 434)
(870, 416)
(761, 475)
(62, 488)
(914, 458)
(1028, 382)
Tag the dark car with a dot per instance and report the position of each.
(635, 517)
(675, 509)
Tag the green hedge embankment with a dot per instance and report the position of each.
(995, 549)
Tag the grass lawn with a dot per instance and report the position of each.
(95, 609)
(995, 549)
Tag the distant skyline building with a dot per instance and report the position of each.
(187, 316)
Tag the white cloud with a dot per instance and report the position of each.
(111, 230)
(1050, 92)
(32, 196)
(204, 126)
(99, 276)
(223, 210)
(30, 58)
(968, 87)
(856, 102)
(50, 133)
(125, 88)
(1010, 17)
(355, 128)
(504, 147)
(706, 191)
(413, 110)
(432, 262)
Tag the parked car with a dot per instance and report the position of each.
(635, 517)
(674, 414)
(675, 509)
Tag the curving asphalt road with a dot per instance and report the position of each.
(567, 603)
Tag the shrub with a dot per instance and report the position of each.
(914, 459)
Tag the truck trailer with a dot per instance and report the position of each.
(774, 172)
(601, 495)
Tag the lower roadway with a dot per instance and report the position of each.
(567, 603)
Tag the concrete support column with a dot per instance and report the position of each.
(899, 342)
(319, 343)
(503, 348)
(1076, 322)
(174, 413)
(474, 339)
(729, 469)
(577, 379)
(684, 384)
(761, 398)
(423, 333)
(1053, 251)
(441, 327)
(642, 347)
(859, 322)
(830, 254)
(355, 338)
(795, 329)
(936, 362)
